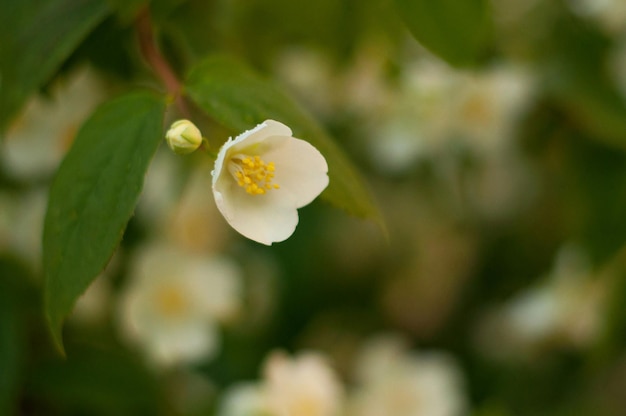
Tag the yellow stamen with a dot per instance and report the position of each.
(170, 301)
(253, 174)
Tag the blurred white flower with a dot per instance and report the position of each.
(488, 105)
(438, 108)
(161, 189)
(35, 144)
(564, 309)
(244, 399)
(611, 14)
(183, 137)
(262, 177)
(92, 306)
(305, 385)
(361, 87)
(21, 221)
(413, 124)
(194, 221)
(310, 75)
(568, 305)
(174, 301)
(364, 87)
(175, 203)
(394, 381)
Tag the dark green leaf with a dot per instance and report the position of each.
(456, 30)
(36, 36)
(240, 99)
(93, 196)
(127, 10)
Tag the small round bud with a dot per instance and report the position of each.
(183, 137)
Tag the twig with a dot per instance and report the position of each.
(158, 63)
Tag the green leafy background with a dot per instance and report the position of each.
(434, 233)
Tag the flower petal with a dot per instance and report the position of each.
(301, 170)
(215, 287)
(267, 219)
(246, 139)
(260, 133)
(192, 341)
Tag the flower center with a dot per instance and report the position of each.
(170, 301)
(306, 405)
(253, 174)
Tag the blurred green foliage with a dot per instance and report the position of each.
(456, 253)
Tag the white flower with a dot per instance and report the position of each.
(611, 14)
(161, 189)
(92, 307)
(262, 177)
(438, 109)
(21, 221)
(244, 399)
(487, 107)
(563, 310)
(302, 386)
(194, 222)
(568, 305)
(183, 137)
(184, 213)
(311, 76)
(174, 301)
(394, 381)
(38, 139)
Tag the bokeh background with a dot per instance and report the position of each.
(497, 289)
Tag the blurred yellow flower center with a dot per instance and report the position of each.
(478, 110)
(170, 301)
(253, 174)
(306, 406)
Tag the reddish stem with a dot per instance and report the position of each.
(154, 58)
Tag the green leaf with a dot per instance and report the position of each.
(36, 36)
(240, 99)
(93, 196)
(458, 31)
(127, 10)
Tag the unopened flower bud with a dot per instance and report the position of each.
(183, 137)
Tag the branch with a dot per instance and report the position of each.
(154, 58)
